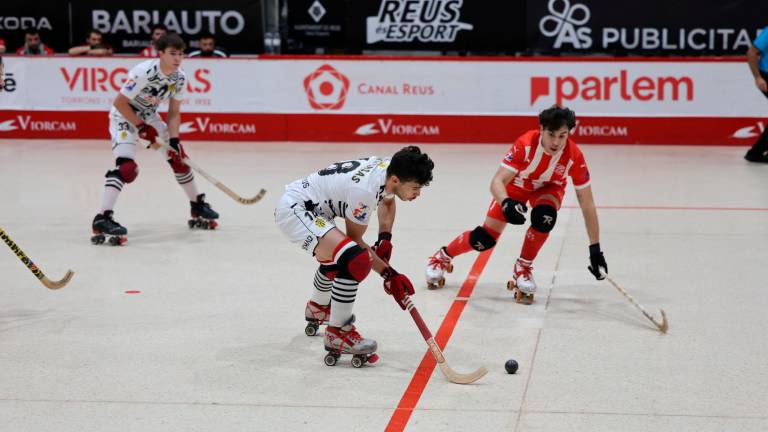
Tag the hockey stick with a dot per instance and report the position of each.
(54, 285)
(663, 326)
(161, 144)
(450, 374)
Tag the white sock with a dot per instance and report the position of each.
(112, 188)
(322, 292)
(187, 182)
(342, 301)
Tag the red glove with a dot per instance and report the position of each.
(175, 157)
(397, 285)
(383, 246)
(147, 132)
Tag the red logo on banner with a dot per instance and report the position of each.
(326, 88)
(605, 88)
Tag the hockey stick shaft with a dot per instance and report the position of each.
(663, 326)
(221, 186)
(32, 266)
(449, 373)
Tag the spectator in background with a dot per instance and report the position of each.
(757, 58)
(33, 45)
(94, 46)
(2, 46)
(208, 48)
(158, 31)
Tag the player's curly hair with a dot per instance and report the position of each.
(170, 40)
(410, 164)
(555, 117)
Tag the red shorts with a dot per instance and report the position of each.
(531, 197)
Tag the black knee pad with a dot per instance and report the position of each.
(543, 218)
(355, 263)
(481, 240)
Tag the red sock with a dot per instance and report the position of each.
(461, 244)
(534, 240)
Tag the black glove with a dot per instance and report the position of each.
(514, 211)
(175, 144)
(383, 246)
(597, 265)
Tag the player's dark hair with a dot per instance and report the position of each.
(206, 35)
(94, 31)
(555, 117)
(159, 27)
(410, 164)
(170, 40)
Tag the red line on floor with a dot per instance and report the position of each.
(418, 383)
(617, 207)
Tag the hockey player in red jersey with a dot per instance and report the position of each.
(533, 173)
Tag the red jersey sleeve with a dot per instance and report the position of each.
(579, 171)
(515, 158)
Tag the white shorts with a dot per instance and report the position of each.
(125, 135)
(300, 225)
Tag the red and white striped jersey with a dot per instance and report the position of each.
(535, 168)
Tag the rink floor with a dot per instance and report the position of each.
(214, 340)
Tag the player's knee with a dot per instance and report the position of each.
(355, 263)
(127, 169)
(480, 239)
(543, 218)
(329, 271)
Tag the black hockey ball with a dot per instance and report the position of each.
(510, 366)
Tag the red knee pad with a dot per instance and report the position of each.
(128, 169)
(355, 263)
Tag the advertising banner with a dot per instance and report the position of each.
(236, 24)
(48, 17)
(313, 24)
(436, 25)
(399, 100)
(653, 27)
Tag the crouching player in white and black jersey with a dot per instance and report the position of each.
(351, 190)
(134, 116)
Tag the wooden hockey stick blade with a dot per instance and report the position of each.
(159, 143)
(460, 378)
(54, 285)
(664, 325)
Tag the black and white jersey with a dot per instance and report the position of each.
(147, 87)
(348, 189)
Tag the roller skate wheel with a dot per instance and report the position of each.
(511, 285)
(117, 240)
(330, 359)
(97, 239)
(373, 358)
(449, 268)
(212, 225)
(311, 329)
(358, 361)
(523, 298)
(191, 223)
(433, 285)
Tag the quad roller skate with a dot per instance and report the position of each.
(107, 230)
(316, 315)
(439, 264)
(203, 216)
(523, 284)
(346, 340)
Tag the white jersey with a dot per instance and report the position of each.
(349, 189)
(147, 87)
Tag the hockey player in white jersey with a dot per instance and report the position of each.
(351, 190)
(134, 116)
